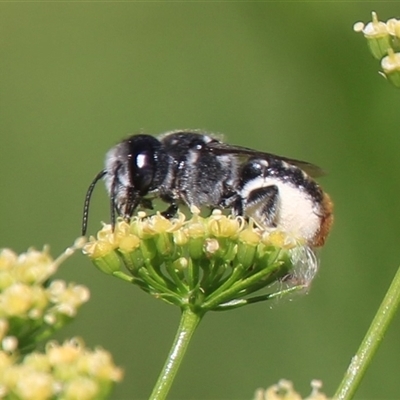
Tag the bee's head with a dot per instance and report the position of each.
(138, 156)
(133, 168)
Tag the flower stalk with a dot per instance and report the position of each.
(371, 342)
(188, 324)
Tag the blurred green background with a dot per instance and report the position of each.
(288, 78)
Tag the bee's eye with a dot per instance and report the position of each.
(142, 171)
(142, 162)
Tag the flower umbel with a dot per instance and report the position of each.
(284, 390)
(31, 309)
(67, 371)
(213, 263)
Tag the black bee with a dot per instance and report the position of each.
(197, 169)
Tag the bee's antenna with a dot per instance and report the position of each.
(87, 200)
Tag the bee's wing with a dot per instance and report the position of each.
(217, 147)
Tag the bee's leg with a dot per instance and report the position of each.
(132, 202)
(237, 207)
(170, 211)
(229, 200)
(262, 205)
(147, 204)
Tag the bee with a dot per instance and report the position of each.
(197, 169)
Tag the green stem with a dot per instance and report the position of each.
(371, 342)
(187, 326)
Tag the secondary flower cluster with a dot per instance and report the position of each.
(384, 43)
(68, 371)
(212, 263)
(32, 308)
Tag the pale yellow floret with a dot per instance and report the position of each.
(280, 239)
(393, 26)
(250, 236)
(67, 353)
(196, 228)
(375, 29)
(67, 299)
(99, 365)
(81, 388)
(158, 224)
(16, 300)
(33, 385)
(129, 243)
(6, 360)
(222, 226)
(37, 361)
(7, 259)
(283, 390)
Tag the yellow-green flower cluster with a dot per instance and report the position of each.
(68, 371)
(31, 308)
(209, 263)
(384, 43)
(284, 390)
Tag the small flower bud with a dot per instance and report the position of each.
(9, 344)
(181, 264)
(211, 246)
